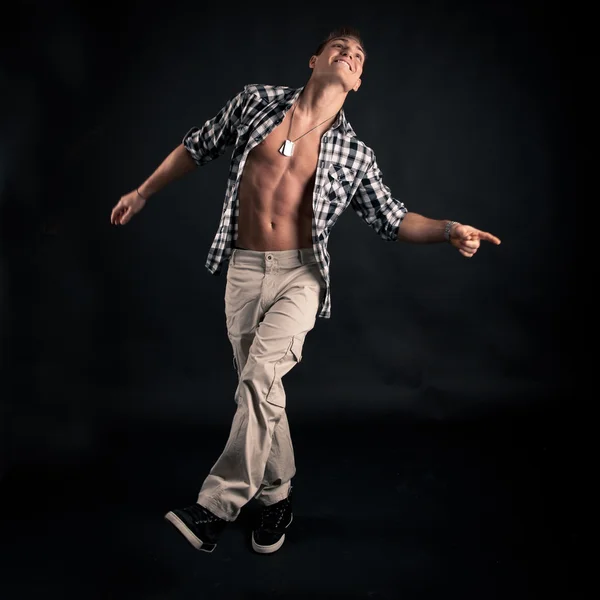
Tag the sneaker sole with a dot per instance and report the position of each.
(273, 547)
(188, 534)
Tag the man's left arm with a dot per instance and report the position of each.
(374, 204)
(418, 229)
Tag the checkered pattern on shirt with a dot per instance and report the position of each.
(347, 173)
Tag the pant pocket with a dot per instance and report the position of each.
(297, 345)
(292, 356)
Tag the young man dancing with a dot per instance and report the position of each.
(296, 166)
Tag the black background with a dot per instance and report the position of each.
(111, 333)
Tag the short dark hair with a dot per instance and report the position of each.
(340, 32)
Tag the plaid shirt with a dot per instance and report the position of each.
(347, 173)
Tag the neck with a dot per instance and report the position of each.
(320, 100)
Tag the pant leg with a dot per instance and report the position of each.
(280, 468)
(281, 465)
(274, 299)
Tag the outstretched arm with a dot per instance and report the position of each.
(200, 145)
(174, 166)
(375, 205)
(177, 164)
(418, 229)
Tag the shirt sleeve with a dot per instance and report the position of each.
(212, 139)
(375, 205)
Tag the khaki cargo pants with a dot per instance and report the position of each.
(271, 303)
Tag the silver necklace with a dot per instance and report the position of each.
(287, 148)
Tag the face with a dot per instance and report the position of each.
(343, 58)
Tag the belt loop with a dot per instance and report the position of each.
(233, 257)
(300, 256)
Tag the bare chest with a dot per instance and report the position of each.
(286, 152)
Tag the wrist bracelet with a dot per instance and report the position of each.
(138, 193)
(447, 229)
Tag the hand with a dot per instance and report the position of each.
(128, 205)
(467, 239)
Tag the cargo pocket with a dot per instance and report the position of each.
(235, 359)
(292, 356)
(297, 346)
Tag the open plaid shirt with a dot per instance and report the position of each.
(347, 173)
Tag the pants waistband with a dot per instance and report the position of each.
(270, 258)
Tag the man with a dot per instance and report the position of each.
(296, 166)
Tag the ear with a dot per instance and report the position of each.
(312, 61)
(357, 85)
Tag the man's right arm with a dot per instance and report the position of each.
(175, 165)
(198, 147)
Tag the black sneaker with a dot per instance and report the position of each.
(198, 525)
(268, 536)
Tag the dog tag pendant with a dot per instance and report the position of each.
(287, 148)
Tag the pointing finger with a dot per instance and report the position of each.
(488, 237)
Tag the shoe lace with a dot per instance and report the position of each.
(271, 516)
(202, 515)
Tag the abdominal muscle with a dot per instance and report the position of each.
(274, 217)
(275, 196)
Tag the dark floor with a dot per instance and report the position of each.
(383, 510)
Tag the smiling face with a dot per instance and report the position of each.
(340, 59)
